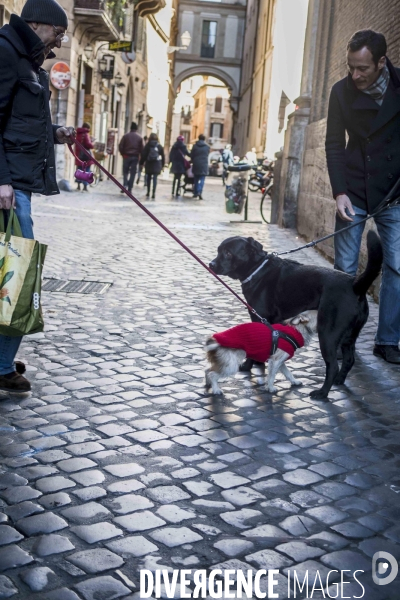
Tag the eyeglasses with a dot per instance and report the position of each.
(60, 37)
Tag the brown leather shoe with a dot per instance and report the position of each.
(14, 383)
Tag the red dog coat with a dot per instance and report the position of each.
(256, 339)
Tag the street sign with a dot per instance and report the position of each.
(60, 75)
(120, 46)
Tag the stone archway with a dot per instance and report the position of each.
(213, 72)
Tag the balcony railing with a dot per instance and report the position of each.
(104, 20)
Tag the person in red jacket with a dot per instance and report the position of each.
(83, 137)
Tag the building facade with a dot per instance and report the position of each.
(212, 115)
(216, 30)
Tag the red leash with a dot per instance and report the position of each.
(150, 214)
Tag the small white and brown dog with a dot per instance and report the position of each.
(227, 350)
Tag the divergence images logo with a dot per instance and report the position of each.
(384, 568)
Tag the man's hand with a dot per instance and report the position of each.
(65, 134)
(7, 197)
(343, 202)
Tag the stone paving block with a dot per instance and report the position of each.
(46, 522)
(38, 578)
(300, 551)
(19, 493)
(60, 594)
(352, 530)
(200, 488)
(94, 588)
(267, 532)
(346, 559)
(72, 465)
(139, 521)
(268, 559)
(242, 519)
(233, 547)
(167, 493)
(175, 536)
(123, 487)
(327, 514)
(54, 500)
(129, 503)
(91, 511)
(242, 496)
(52, 544)
(334, 490)
(7, 588)
(96, 561)
(9, 535)
(124, 469)
(53, 484)
(228, 479)
(301, 477)
(133, 545)
(10, 479)
(328, 540)
(97, 532)
(13, 556)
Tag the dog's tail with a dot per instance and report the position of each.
(374, 265)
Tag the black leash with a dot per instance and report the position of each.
(392, 199)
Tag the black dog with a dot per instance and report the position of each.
(280, 289)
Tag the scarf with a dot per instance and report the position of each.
(378, 89)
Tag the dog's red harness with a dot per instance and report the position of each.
(257, 340)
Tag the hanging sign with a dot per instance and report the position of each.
(120, 46)
(60, 75)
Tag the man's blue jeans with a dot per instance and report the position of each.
(198, 184)
(347, 248)
(9, 345)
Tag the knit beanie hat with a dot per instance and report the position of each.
(45, 11)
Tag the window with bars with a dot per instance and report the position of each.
(216, 130)
(208, 39)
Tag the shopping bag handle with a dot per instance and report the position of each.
(12, 225)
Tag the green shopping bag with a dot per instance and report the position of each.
(21, 265)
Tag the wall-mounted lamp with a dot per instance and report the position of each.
(88, 51)
(186, 39)
(118, 80)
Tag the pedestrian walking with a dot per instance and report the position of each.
(366, 106)
(153, 159)
(199, 155)
(227, 161)
(130, 147)
(179, 163)
(27, 160)
(140, 168)
(83, 137)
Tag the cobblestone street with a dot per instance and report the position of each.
(119, 461)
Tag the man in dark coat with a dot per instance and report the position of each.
(199, 156)
(27, 136)
(366, 106)
(130, 147)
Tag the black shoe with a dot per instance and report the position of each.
(122, 191)
(14, 382)
(389, 353)
(147, 195)
(194, 196)
(200, 197)
(153, 197)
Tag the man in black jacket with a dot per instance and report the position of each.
(366, 106)
(27, 136)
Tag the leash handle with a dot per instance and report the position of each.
(164, 227)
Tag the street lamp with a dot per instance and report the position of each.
(186, 38)
(102, 64)
(88, 51)
(118, 80)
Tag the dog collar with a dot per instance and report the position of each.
(256, 271)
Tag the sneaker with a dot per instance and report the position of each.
(14, 383)
(389, 353)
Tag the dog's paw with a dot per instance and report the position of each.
(272, 389)
(297, 382)
(217, 392)
(318, 395)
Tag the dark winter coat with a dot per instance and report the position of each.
(27, 137)
(199, 154)
(177, 158)
(368, 166)
(83, 137)
(131, 144)
(152, 167)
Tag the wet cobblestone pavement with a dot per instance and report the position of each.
(119, 461)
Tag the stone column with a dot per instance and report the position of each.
(295, 133)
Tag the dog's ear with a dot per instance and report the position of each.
(304, 317)
(294, 321)
(254, 244)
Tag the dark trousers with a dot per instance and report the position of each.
(129, 170)
(148, 183)
(176, 183)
